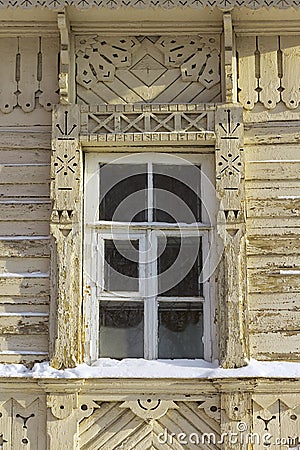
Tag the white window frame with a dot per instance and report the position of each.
(95, 231)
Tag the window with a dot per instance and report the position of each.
(149, 224)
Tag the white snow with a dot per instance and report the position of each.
(140, 368)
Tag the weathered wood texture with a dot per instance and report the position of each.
(273, 196)
(24, 246)
(269, 70)
(147, 69)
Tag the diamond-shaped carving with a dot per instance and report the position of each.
(148, 70)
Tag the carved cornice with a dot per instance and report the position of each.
(142, 4)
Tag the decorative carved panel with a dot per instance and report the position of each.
(269, 71)
(23, 423)
(28, 73)
(152, 423)
(147, 69)
(140, 119)
(276, 421)
(140, 4)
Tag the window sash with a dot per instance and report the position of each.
(93, 227)
(148, 294)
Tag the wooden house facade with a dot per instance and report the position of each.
(214, 83)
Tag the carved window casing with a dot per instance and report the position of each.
(96, 124)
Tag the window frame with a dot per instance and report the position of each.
(95, 230)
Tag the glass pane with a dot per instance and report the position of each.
(176, 193)
(121, 266)
(179, 266)
(121, 331)
(180, 330)
(123, 192)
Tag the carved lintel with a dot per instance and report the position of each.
(64, 28)
(230, 189)
(148, 408)
(66, 232)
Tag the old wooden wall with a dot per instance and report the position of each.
(28, 91)
(271, 151)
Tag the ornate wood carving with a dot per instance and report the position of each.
(269, 70)
(231, 227)
(113, 4)
(140, 122)
(148, 408)
(23, 422)
(148, 69)
(142, 424)
(276, 420)
(28, 73)
(65, 228)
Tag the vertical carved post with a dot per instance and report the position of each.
(66, 232)
(231, 227)
(236, 420)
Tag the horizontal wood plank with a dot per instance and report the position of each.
(24, 286)
(271, 246)
(274, 321)
(25, 156)
(24, 228)
(25, 248)
(24, 343)
(274, 262)
(23, 300)
(24, 190)
(272, 190)
(26, 359)
(19, 265)
(276, 346)
(23, 325)
(23, 308)
(273, 208)
(287, 225)
(25, 211)
(265, 281)
(277, 170)
(268, 301)
(270, 152)
(31, 174)
(25, 140)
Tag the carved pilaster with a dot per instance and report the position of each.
(235, 420)
(231, 227)
(66, 232)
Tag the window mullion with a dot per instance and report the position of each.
(150, 302)
(150, 192)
